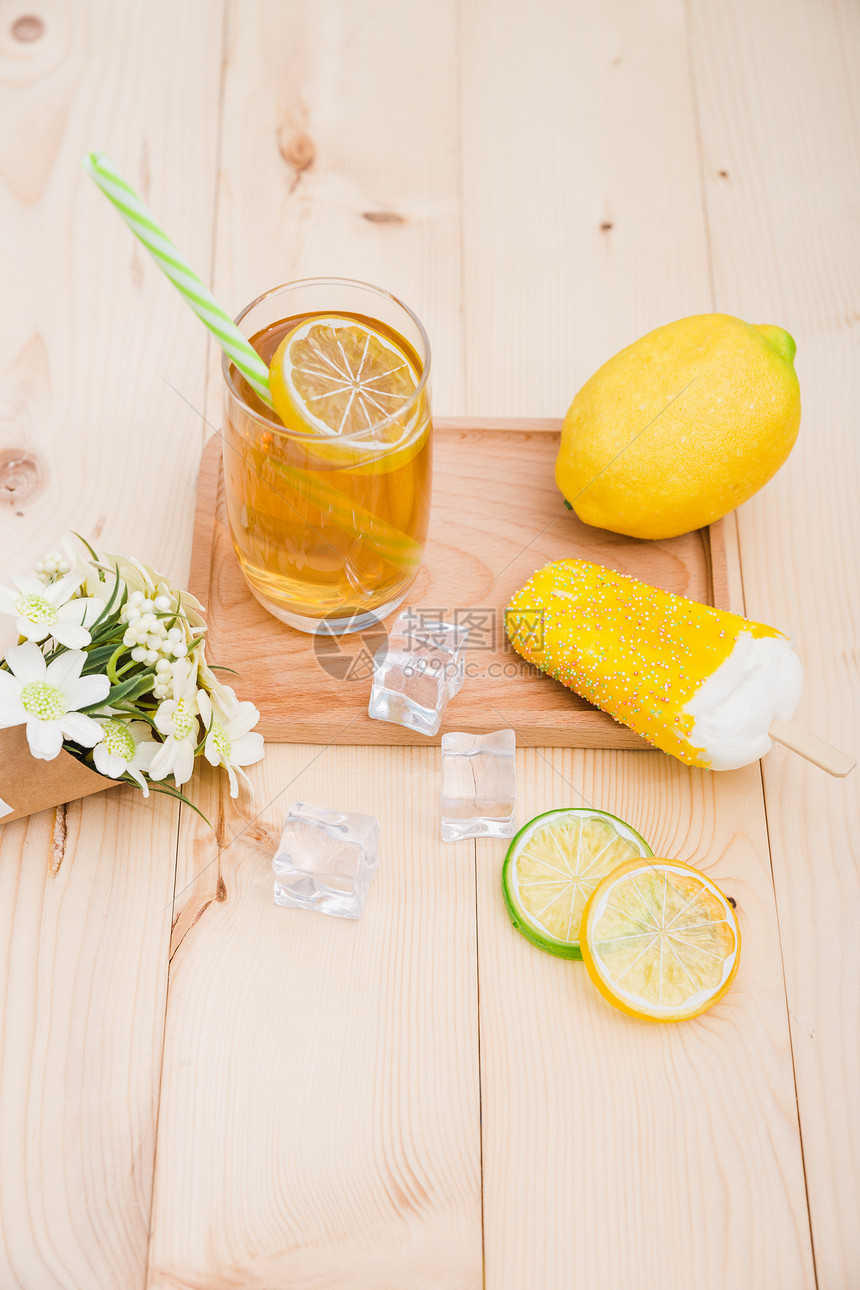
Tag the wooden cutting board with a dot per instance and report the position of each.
(497, 517)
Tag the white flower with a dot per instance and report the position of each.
(176, 719)
(45, 698)
(125, 748)
(136, 576)
(213, 684)
(229, 739)
(52, 566)
(153, 585)
(96, 582)
(50, 610)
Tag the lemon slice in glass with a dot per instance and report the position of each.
(660, 940)
(335, 377)
(554, 864)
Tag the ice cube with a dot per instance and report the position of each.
(325, 860)
(417, 671)
(479, 785)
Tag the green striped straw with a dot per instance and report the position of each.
(195, 293)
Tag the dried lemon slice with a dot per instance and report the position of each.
(660, 940)
(553, 865)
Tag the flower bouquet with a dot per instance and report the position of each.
(109, 683)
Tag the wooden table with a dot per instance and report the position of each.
(199, 1090)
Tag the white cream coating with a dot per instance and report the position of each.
(758, 683)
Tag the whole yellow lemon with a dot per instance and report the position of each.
(680, 427)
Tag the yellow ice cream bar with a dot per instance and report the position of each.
(700, 683)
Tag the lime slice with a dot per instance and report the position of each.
(554, 864)
(660, 940)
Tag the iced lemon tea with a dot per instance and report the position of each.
(328, 494)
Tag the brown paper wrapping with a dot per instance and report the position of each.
(28, 785)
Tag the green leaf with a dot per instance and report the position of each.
(108, 641)
(85, 543)
(112, 662)
(108, 609)
(133, 688)
(51, 654)
(136, 686)
(137, 714)
(174, 792)
(98, 660)
(127, 779)
(112, 626)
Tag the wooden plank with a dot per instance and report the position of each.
(339, 121)
(89, 337)
(84, 924)
(319, 1108)
(779, 128)
(320, 1101)
(477, 557)
(615, 1153)
(555, 222)
(638, 1154)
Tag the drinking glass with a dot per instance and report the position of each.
(329, 527)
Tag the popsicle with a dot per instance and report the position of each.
(706, 686)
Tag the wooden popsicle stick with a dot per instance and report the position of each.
(812, 748)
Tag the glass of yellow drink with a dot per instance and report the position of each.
(328, 497)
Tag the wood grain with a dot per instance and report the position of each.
(476, 558)
(779, 178)
(615, 1153)
(90, 336)
(340, 130)
(540, 185)
(635, 1132)
(320, 1099)
(582, 221)
(84, 925)
(320, 1106)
